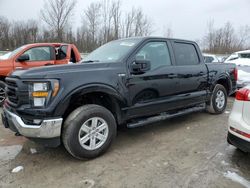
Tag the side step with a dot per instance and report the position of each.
(164, 116)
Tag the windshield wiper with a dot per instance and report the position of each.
(90, 61)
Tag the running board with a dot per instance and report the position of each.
(164, 116)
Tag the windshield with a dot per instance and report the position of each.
(112, 51)
(16, 51)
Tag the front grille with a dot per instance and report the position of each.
(16, 92)
(11, 91)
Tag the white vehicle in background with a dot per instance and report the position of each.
(210, 58)
(239, 121)
(241, 58)
(243, 76)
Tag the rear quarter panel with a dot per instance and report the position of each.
(219, 71)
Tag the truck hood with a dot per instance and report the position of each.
(57, 71)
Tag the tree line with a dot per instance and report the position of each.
(103, 21)
(225, 39)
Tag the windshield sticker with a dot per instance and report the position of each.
(127, 44)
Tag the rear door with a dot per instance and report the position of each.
(152, 92)
(192, 72)
(38, 56)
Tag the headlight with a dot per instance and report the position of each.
(42, 92)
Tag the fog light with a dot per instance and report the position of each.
(39, 101)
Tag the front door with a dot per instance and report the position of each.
(151, 91)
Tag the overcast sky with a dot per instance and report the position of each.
(187, 18)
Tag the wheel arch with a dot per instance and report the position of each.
(223, 80)
(103, 95)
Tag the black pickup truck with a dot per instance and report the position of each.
(130, 82)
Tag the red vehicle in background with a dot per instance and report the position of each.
(36, 55)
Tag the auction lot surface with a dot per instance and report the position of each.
(189, 151)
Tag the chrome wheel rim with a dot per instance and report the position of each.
(2, 95)
(220, 99)
(93, 133)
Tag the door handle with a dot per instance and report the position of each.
(172, 76)
(201, 73)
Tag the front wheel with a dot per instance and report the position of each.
(2, 93)
(89, 131)
(218, 101)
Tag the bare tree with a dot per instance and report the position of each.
(116, 15)
(92, 20)
(56, 14)
(225, 39)
(167, 31)
(4, 33)
(136, 23)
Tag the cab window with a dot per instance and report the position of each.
(156, 52)
(39, 53)
(185, 54)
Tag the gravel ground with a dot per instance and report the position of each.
(190, 151)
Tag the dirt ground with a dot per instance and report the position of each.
(189, 151)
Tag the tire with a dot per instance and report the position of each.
(218, 101)
(80, 124)
(2, 93)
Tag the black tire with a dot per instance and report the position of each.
(73, 124)
(213, 107)
(2, 95)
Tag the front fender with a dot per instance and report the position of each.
(85, 89)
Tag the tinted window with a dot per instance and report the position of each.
(185, 54)
(156, 52)
(39, 53)
(208, 59)
(62, 52)
(245, 55)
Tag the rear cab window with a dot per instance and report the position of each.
(185, 54)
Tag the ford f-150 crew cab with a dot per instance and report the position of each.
(130, 82)
(35, 55)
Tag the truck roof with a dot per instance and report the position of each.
(153, 37)
(45, 44)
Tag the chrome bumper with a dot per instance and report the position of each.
(50, 128)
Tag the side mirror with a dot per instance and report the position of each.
(140, 66)
(23, 57)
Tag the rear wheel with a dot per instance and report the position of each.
(89, 131)
(2, 93)
(218, 101)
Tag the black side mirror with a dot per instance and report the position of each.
(140, 66)
(23, 57)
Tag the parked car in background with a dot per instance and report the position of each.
(131, 82)
(210, 58)
(241, 58)
(36, 55)
(239, 121)
(243, 76)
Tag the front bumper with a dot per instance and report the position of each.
(50, 128)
